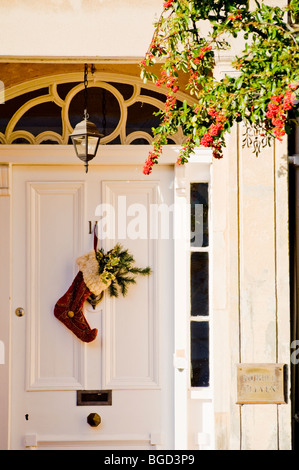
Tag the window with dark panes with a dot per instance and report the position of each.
(199, 285)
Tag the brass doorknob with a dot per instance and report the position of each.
(94, 420)
(20, 312)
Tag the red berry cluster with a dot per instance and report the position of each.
(171, 82)
(277, 109)
(194, 74)
(203, 51)
(183, 157)
(152, 159)
(169, 105)
(237, 16)
(208, 139)
(167, 4)
(148, 57)
(149, 163)
(154, 49)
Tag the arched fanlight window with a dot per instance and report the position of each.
(46, 110)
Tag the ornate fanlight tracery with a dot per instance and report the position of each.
(124, 109)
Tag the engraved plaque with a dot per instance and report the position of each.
(260, 383)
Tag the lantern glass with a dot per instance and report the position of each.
(85, 145)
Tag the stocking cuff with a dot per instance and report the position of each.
(89, 267)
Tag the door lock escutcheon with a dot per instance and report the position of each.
(20, 312)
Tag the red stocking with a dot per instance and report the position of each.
(69, 310)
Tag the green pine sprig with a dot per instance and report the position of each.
(118, 269)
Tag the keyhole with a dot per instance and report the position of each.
(26, 416)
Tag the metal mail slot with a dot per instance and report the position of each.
(94, 397)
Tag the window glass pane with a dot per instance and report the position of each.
(103, 109)
(41, 118)
(10, 107)
(199, 283)
(199, 201)
(141, 117)
(200, 374)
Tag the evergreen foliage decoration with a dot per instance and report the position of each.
(263, 91)
(117, 270)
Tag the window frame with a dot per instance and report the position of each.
(200, 173)
(200, 318)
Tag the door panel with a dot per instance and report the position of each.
(132, 354)
(130, 370)
(53, 212)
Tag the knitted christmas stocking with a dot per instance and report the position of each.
(69, 308)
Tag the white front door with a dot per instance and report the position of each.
(130, 363)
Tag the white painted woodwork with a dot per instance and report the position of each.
(182, 295)
(92, 442)
(54, 222)
(250, 266)
(5, 178)
(235, 425)
(133, 351)
(132, 201)
(5, 304)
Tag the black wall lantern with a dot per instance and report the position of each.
(85, 136)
